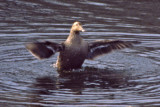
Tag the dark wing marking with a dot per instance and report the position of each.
(105, 46)
(43, 50)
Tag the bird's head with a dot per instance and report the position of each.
(77, 27)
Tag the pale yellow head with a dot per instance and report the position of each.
(77, 27)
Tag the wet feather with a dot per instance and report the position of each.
(98, 48)
(43, 50)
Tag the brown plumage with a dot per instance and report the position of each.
(75, 50)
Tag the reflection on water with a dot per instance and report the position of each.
(127, 77)
(73, 85)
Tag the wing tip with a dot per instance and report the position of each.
(39, 50)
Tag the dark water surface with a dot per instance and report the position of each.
(126, 77)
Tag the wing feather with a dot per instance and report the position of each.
(43, 50)
(98, 48)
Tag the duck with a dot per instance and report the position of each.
(75, 50)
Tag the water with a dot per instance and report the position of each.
(125, 77)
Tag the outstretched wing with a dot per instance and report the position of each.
(43, 50)
(105, 46)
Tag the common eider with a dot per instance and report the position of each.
(75, 49)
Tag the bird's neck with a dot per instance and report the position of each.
(74, 37)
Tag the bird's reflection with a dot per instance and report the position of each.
(88, 78)
(77, 82)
